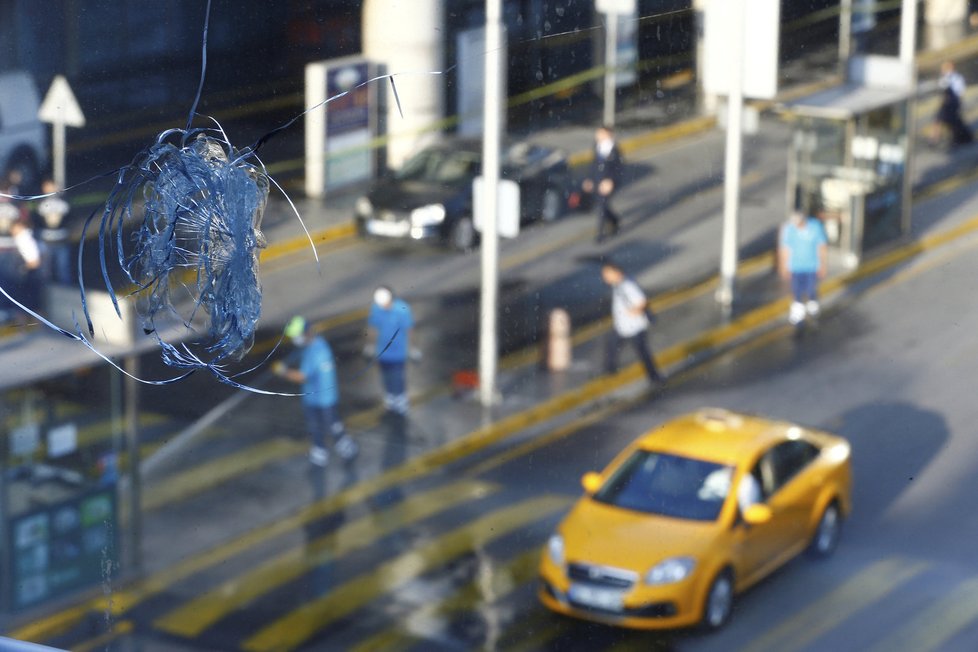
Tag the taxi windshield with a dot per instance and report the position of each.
(669, 485)
(439, 165)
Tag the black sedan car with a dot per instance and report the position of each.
(430, 197)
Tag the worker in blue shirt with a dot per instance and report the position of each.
(320, 391)
(390, 322)
(803, 258)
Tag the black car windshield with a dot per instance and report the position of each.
(657, 483)
(440, 166)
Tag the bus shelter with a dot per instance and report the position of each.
(847, 164)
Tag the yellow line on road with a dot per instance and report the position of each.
(125, 599)
(102, 642)
(209, 475)
(503, 580)
(931, 628)
(298, 627)
(194, 617)
(805, 627)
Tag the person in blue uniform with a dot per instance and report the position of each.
(316, 373)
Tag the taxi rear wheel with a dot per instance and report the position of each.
(719, 602)
(826, 537)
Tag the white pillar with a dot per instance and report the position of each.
(908, 32)
(944, 22)
(408, 36)
(945, 12)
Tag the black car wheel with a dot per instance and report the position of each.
(552, 205)
(462, 236)
(719, 602)
(826, 537)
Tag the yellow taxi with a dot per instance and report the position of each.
(691, 514)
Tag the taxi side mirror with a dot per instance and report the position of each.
(757, 514)
(591, 482)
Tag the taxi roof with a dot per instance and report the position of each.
(718, 435)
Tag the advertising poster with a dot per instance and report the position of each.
(62, 548)
(348, 133)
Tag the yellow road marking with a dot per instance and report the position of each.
(102, 641)
(302, 624)
(819, 617)
(940, 622)
(211, 474)
(192, 618)
(104, 429)
(503, 581)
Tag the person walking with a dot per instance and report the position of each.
(390, 323)
(604, 179)
(56, 247)
(630, 321)
(953, 86)
(316, 373)
(803, 259)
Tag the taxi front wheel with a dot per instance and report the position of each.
(719, 602)
(827, 533)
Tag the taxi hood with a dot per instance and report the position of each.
(596, 533)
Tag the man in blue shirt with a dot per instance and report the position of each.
(803, 258)
(320, 391)
(391, 322)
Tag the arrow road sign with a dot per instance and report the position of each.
(61, 109)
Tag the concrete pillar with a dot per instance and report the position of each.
(408, 37)
(945, 22)
(945, 12)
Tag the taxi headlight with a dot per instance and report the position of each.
(555, 548)
(670, 571)
(364, 207)
(428, 215)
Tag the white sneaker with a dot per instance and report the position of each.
(812, 308)
(796, 314)
(319, 456)
(346, 447)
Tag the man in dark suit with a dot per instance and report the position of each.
(604, 179)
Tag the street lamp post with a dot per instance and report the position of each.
(731, 180)
(488, 346)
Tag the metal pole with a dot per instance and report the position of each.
(131, 365)
(845, 34)
(488, 347)
(731, 180)
(610, 66)
(908, 31)
(58, 152)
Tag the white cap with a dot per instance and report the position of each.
(383, 297)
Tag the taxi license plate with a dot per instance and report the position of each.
(607, 599)
(395, 229)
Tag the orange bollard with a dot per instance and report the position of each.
(559, 350)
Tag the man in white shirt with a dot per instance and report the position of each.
(630, 321)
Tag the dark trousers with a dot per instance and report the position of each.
(321, 421)
(395, 386)
(641, 344)
(804, 286)
(606, 215)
